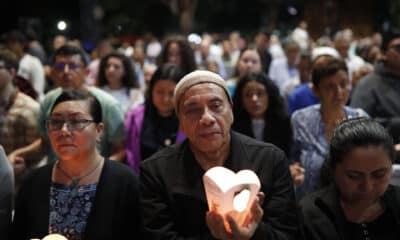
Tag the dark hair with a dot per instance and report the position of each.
(264, 31)
(77, 95)
(128, 80)
(389, 36)
(276, 117)
(358, 132)
(167, 71)
(70, 50)
(18, 37)
(188, 62)
(324, 66)
(9, 58)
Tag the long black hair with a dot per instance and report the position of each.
(167, 71)
(129, 79)
(277, 122)
(188, 62)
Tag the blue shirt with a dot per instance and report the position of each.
(310, 146)
(69, 211)
(301, 97)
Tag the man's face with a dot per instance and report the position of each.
(342, 46)
(205, 116)
(393, 54)
(69, 72)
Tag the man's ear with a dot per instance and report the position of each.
(100, 129)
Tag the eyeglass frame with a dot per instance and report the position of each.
(395, 47)
(85, 122)
(60, 66)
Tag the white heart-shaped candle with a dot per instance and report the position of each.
(55, 236)
(228, 192)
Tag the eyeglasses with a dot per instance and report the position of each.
(60, 66)
(72, 124)
(396, 47)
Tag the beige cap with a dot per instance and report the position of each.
(197, 77)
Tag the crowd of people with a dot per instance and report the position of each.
(114, 142)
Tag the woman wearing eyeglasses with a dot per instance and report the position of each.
(82, 195)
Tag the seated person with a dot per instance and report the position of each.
(260, 111)
(6, 194)
(153, 125)
(313, 125)
(69, 72)
(359, 203)
(83, 195)
(173, 196)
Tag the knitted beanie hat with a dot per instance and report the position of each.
(197, 77)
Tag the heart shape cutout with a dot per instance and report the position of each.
(228, 192)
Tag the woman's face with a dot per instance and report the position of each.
(334, 90)
(114, 71)
(162, 97)
(255, 99)
(363, 175)
(249, 62)
(78, 138)
(174, 54)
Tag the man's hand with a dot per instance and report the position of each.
(397, 147)
(297, 173)
(215, 222)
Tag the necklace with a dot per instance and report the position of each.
(75, 180)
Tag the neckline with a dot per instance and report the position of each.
(76, 180)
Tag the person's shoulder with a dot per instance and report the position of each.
(353, 112)
(251, 143)
(38, 176)
(53, 93)
(138, 110)
(120, 170)
(281, 61)
(102, 96)
(369, 81)
(301, 89)
(313, 201)
(307, 112)
(28, 99)
(168, 156)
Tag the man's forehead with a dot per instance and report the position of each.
(63, 58)
(203, 91)
(394, 41)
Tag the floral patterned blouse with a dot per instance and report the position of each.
(310, 147)
(70, 208)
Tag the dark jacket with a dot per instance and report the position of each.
(324, 218)
(378, 94)
(116, 211)
(174, 201)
